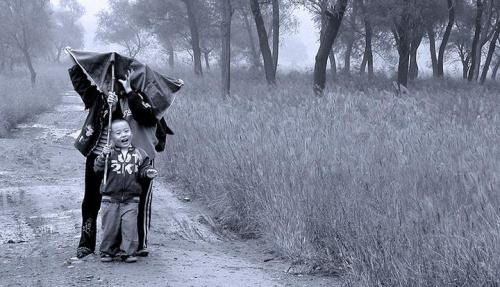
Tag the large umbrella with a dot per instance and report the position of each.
(103, 68)
(158, 88)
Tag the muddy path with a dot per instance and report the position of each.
(41, 189)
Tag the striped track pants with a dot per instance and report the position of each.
(144, 214)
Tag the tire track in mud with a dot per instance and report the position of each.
(41, 189)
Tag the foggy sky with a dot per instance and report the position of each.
(296, 51)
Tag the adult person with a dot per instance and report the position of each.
(135, 109)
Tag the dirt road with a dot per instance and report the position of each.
(41, 189)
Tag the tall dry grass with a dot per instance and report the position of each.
(19, 100)
(392, 191)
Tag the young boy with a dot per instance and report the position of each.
(127, 166)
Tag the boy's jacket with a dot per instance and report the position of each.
(125, 172)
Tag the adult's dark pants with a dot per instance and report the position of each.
(144, 214)
(91, 204)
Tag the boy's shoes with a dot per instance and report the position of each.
(142, 253)
(82, 252)
(106, 258)
(130, 259)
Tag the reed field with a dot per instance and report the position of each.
(385, 189)
(19, 100)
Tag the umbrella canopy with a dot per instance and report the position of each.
(158, 88)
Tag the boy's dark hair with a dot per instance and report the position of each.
(117, 121)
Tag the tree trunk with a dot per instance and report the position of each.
(29, 64)
(276, 32)
(333, 64)
(485, 34)
(264, 44)
(491, 50)
(446, 37)
(495, 69)
(226, 48)
(347, 57)
(368, 48)
(362, 66)
(465, 66)
(432, 43)
(350, 41)
(195, 38)
(403, 40)
(206, 55)
(475, 40)
(325, 46)
(58, 55)
(415, 43)
(11, 65)
(368, 54)
(171, 56)
(255, 55)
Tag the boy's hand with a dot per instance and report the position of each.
(106, 150)
(151, 173)
(126, 83)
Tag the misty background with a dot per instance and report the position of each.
(358, 138)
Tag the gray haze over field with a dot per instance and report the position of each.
(297, 49)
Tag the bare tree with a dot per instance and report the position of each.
(25, 25)
(254, 52)
(195, 37)
(475, 40)
(491, 51)
(276, 32)
(368, 54)
(349, 31)
(66, 31)
(402, 36)
(125, 32)
(263, 42)
(226, 47)
(417, 33)
(446, 36)
(326, 41)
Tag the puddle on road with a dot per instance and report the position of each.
(75, 134)
(50, 131)
(29, 212)
(35, 126)
(5, 172)
(70, 108)
(71, 98)
(16, 229)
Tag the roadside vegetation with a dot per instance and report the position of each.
(20, 100)
(386, 189)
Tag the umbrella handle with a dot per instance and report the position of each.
(109, 122)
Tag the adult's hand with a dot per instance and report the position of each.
(126, 83)
(112, 98)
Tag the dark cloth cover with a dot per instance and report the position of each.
(158, 88)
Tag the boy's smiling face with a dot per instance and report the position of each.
(121, 134)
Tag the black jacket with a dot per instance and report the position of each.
(97, 117)
(125, 172)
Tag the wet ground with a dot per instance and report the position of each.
(41, 188)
